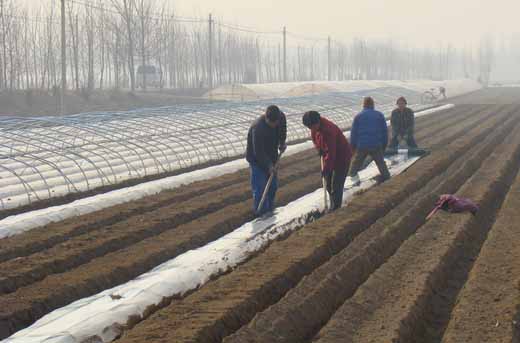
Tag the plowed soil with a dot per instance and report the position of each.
(373, 271)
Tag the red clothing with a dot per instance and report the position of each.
(333, 144)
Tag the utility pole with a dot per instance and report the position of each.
(284, 54)
(63, 59)
(279, 63)
(210, 55)
(329, 75)
(258, 63)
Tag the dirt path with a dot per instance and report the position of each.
(40, 253)
(252, 287)
(488, 307)
(82, 257)
(399, 302)
(351, 267)
(292, 168)
(374, 271)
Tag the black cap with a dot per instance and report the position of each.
(311, 118)
(272, 113)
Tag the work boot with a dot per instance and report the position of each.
(356, 182)
(381, 179)
(390, 152)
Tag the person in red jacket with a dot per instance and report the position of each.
(335, 150)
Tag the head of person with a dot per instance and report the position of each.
(272, 116)
(368, 103)
(311, 119)
(401, 103)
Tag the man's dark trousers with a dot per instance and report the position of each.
(335, 183)
(259, 179)
(377, 155)
(407, 135)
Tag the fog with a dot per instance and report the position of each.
(420, 22)
(442, 26)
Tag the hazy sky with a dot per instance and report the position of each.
(428, 22)
(433, 21)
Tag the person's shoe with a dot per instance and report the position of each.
(391, 151)
(417, 152)
(356, 182)
(381, 179)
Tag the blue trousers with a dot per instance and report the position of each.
(258, 182)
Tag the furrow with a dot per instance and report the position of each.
(393, 304)
(226, 304)
(52, 234)
(22, 307)
(302, 312)
(79, 250)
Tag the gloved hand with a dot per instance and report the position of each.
(282, 148)
(320, 153)
(273, 169)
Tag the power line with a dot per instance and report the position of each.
(156, 16)
(181, 19)
(308, 38)
(245, 29)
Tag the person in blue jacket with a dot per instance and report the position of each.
(369, 137)
(265, 137)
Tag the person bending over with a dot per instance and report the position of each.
(263, 142)
(335, 151)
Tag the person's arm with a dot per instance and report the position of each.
(282, 131)
(412, 119)
(393, 119)
(329, 149)
(315, 141)
(259, 150)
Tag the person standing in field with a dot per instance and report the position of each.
(263, 143)
(403, 125)
(335, 151)
(369, 137)
(442, 91)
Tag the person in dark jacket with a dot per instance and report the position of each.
(369, 137)
(335, 150)
(263, 142)
(403, 124)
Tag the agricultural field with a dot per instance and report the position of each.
(374, 271)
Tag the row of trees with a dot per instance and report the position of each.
(140, 43)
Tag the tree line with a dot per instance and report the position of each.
(118, 44)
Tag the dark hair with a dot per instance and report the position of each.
(310, 118)
(402, 99)
(368, 102)
(272, 113)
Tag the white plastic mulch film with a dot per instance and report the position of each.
(47, 157)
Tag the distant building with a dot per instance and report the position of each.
(152, 76)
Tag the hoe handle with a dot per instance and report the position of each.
(268, 186)
(326, 203)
